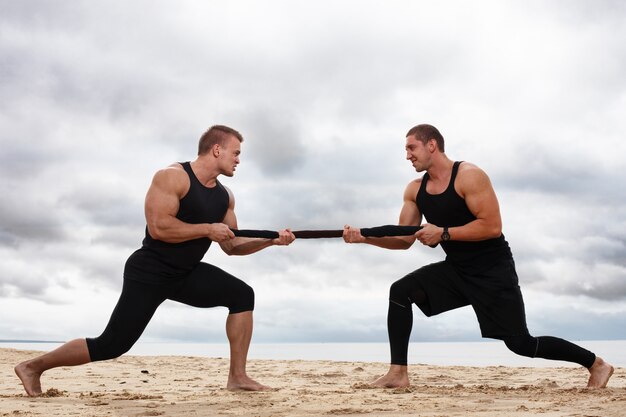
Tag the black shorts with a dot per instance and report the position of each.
(494, 295)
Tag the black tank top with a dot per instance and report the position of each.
(158, 261)
(449, 209)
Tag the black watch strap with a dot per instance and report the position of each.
(445, 236)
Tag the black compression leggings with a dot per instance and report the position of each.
(400, 323)
(206, 286)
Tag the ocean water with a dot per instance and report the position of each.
(492, 353)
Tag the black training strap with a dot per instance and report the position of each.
(266, 234)
(380, 231)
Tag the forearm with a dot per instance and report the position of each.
(476, 230)
(245, 246)
(392, 242)
(386, 237)
(173, 230)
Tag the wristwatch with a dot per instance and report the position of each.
(445, 236)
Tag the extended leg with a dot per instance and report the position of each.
(71, 353)
(132, 313)
(554, 348)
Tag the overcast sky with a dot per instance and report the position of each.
(97, 96)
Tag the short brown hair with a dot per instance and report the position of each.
(425, 132)
(216, 135)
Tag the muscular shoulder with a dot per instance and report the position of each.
(411, 189)
(471, 178)
(471, 171)
(172, 179)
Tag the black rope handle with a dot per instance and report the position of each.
(266, 234)
(380, 231)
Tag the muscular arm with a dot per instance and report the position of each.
(162, 202)
(474, 186)
(244, 245)
(409, 216)
(480, 197)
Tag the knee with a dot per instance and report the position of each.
(399, 293)
(104, 348)
(242, 299)
(522, 345)
(406, 292)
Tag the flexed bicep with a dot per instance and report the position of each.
(480, 197)
(162, 201)
(168, 187)
(410, 214)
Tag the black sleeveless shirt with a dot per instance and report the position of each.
(449, 209)
(157, 261)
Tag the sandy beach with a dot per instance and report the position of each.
(191, 386)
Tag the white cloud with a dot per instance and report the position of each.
(101, 97)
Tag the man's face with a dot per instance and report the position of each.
(417, 152)
(229, 156)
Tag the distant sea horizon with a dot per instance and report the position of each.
(475, 353)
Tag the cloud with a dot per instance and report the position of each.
(277, 144)
(32, 221)
(102, 97)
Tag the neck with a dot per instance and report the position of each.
(205, 170)
(441, 168)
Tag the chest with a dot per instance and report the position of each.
(445, 208)
(203, 205)
(440, 185)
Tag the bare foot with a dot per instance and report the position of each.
(600, 373)
(396, 377)
(245, 384)
(30, 378)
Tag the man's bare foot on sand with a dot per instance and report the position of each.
(245, 383)
(600, 373)
(396, 377)
(30, 378)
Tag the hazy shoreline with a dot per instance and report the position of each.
(483, 353)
